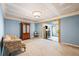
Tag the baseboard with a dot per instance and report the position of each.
(71, 44)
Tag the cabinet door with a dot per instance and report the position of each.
(28, 29)
(25, 29)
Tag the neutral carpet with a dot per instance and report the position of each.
(43, 47)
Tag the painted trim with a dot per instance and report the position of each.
(59, 32)
(18, 19)
(70, 44)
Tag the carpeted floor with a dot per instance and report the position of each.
(43, 47)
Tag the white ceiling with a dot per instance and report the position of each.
(48, 10)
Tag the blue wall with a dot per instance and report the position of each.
(1, 26)
(35, 27)
(1, 23)
(32, 29)
(12, 27)
(38, 28)
(70, 29)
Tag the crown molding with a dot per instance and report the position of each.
(18, 19)
(42, 21)
(60, 16)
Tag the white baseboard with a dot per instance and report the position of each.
(74, 45)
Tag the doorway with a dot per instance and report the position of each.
(53, 31)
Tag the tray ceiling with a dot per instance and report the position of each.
(47, 10)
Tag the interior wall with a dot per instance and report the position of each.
(12, 27)
(1, 26)
(70, 30)
(1, 23)
(38, 28)
(32, 29)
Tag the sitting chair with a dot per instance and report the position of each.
(12, 44)
(36, 34)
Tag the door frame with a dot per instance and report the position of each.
(59, 30)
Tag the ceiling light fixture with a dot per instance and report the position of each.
(37, 14)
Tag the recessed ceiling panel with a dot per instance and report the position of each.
(47, 10)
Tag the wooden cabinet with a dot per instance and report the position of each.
(25, 31)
